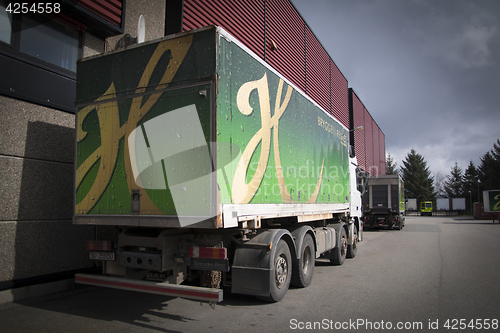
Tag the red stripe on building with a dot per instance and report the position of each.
(110, 10)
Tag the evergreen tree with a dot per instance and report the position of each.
(471, 181)
(454, 183)
(489, 169)
(417, 177)
(391, 167)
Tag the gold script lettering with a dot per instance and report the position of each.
(111, 132)
(242, 192)
(497, 205)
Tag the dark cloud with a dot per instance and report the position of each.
(427, 70)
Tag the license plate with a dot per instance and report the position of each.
(100, 255)
(210, 264)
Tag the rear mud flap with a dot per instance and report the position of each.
(250, 281)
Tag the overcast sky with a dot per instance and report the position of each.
(428, 71)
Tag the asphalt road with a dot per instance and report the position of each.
(438, 274)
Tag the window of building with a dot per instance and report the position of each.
(38, 55)
(51, 41)
(38, 52)
(5, 24)
(40, 40)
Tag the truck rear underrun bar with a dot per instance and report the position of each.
(174, 290)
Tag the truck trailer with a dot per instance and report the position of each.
(213, 169)
(384, 203)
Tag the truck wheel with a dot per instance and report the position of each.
(303, 269)
(281, 273)
(339, 253)
(399, 225)
(352, 249)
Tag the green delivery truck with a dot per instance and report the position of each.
(213, 168)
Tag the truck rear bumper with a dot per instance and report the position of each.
(375, 220)
(174, 290)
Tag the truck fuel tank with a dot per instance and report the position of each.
(325, 240)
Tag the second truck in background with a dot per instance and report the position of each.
(383, 202)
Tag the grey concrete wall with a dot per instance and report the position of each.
(37, 236)
(36, 190)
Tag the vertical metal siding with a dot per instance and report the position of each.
(286, 28)
(110, 10)
(382, 152)
(376, 147)
(317, 71)
(369, 143)
(339, 95)
(243, 19)
(359, 136)
(368, 129)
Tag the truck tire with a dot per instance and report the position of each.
(281, 273)
(390, 224)
(353, 248)
(399, 225)
(339, 253)
(303, 268)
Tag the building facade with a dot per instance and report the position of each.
(38, 55)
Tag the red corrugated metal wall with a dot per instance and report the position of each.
(110, 10)
(368, 129)
(359, 136)
(369, 143)
(382, 152)
(243, 19)
(339, 93)
(286, 28)
(376, 148)
(318, 71)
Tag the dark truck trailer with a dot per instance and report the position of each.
(383, 202)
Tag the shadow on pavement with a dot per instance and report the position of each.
(136, 309)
